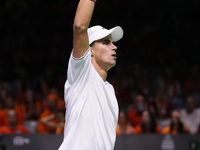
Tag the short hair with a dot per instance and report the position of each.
(92, 44)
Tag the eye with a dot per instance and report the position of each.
(106, 42)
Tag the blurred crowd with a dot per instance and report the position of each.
(156, 79)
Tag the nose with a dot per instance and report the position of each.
(114, 47)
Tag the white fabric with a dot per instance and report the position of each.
(91, 108)
(191, 120)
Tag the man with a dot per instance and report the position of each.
(13, 127)
(191, 115)
(135, 110)
(49, 112)
(91, 105)
(10, 104)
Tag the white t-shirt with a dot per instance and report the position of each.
(91, 108)
(191, 120)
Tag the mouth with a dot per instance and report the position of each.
(114, 55)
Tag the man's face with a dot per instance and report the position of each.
(140, 103)
(145, 117)
(104, 53)
(122, 118)
(12, 117)
(52, 103)
(175, 119)
(190, 105)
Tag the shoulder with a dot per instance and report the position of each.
(158, 129)
(182, 112)
(79, 67)
(166, 130)
(2, 112)
(131, 129)
(138, 129)
(110, 86)
(22, 129)
(45, 113)
(85, 56)
(18, 112)
(197, 110)
(4, 129)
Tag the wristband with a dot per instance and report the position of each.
(94, 0)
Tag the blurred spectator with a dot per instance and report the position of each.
(9, 105)
(13, 126)
(22, 80)
(3, 95)
(170, 85)
(54, 95)
(176, 125)
(191, 115)
(136, 109)
(148, 124)
(47, 81)
(60, 116)
(160, 105)
(196, 96)
(52, 104)
(30, 104)
(191, 83)
(144, 83)
(57, 126)
(124, 126)
(123, 92)
(61, 102)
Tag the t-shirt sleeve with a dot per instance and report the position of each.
(112, 88)
(78, 69)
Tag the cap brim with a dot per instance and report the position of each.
(116, 33)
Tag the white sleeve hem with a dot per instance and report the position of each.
(82, 56)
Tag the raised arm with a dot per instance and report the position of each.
(81, 23)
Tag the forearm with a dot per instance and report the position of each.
(47, 118)
(81, 23)
(48, 121)
(83, 15)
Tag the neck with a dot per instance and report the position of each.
(147, 125)
(102, 72)
(175, 126)
(52, 109)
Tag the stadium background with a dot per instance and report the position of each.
(36, 41)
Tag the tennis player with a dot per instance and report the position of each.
(91, 105)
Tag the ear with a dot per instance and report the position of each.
(92, 51)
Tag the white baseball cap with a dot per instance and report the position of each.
(98, 32)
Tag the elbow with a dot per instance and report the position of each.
(79, 28)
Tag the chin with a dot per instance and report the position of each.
(113, 65)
